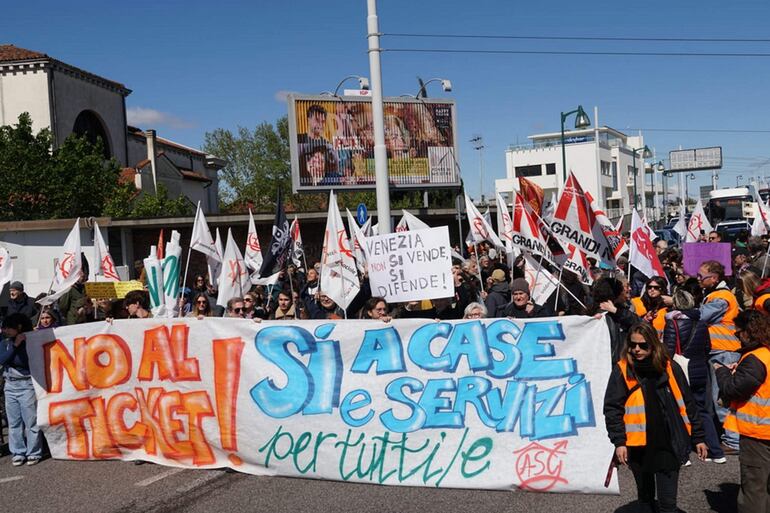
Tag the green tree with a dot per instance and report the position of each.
(258, 164)
(72, 180)
(126, 202)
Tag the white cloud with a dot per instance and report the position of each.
(151, 118)
(280, 96)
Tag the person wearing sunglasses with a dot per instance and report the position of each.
(715, 237)
(201, 307)
(235, 308)
(719, 309)
(651, 418)
(746, 387)
(651, 306)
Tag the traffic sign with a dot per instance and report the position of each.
(361, 214)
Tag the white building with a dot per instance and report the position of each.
(601, 159)
(70, 100)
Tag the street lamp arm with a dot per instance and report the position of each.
(445, 84)
(565, 115)
(363, 82)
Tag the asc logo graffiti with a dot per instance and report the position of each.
(539, 467)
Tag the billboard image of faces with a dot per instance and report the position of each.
(333, 143)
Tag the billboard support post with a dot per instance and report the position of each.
(378, 118)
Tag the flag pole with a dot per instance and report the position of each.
(187, 264)
(344, 294)
(539, 269)
(478, 265)
(558, 285)
(291, 284)
(575, 298)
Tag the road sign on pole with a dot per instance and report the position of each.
(361, 214)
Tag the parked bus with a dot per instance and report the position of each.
(731, 210)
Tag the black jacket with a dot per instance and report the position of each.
(619, 323)
(510, 310)
(744, 382)
(695, 346)
(615, 401)
(498, 295)
(23, 305)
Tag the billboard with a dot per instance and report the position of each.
(332, 143)
(696, 159)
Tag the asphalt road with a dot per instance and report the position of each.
(114, 486)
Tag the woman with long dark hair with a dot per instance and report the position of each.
(611, 295)
(651, 418)
(650, 306)
(200, 307)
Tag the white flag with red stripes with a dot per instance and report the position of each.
(642, 254)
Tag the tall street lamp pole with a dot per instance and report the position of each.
(382, 185)
(478, 145)
(581, 121)
(645, 155)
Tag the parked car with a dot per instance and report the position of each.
(670, 236)
(672, 222)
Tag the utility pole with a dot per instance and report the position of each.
(382, 185)
(478, 145)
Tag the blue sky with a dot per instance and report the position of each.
(195, 66)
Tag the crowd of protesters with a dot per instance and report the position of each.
(691, 364)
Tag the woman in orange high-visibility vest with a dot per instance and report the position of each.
(651, 418)
(650, 305)
(746, 387)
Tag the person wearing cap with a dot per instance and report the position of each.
(521, 305)
(498, 292)
(20, 302)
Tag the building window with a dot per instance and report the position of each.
(605, 166)
(550, 169)
(525, 171)
(614, 172)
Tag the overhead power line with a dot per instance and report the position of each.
(582, 38)
(703, 130)
(576, 52)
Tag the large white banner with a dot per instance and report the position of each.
(410, 265)
(496, 403)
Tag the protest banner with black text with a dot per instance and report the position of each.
(410, 266)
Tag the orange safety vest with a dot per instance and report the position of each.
(659, 322)
(635, 418)
(759, 303)
(752, 417)
(722, 334)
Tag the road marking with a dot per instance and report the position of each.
(200, 481)
(9, 479)
(158, 477)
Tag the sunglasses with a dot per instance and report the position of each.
(713, 237)
(644, 346)
(702, 277)
(653, 287)
(248, 300)
(238, 310)
(202, 302)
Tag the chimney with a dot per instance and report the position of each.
(150, 135)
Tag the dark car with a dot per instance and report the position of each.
(670, 236)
